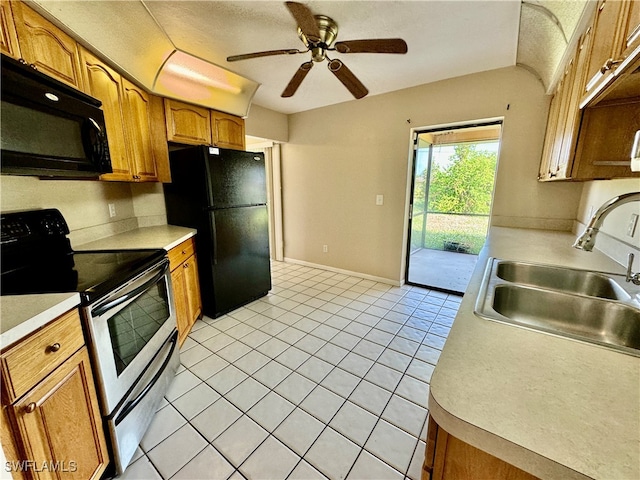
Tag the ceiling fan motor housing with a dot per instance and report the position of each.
(328, 32)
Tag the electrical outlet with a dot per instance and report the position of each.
(325, 248)
(633, 222)
(379, 199)
(112, 210)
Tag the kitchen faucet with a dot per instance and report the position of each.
(587, 239)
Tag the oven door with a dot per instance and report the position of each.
(128, 328)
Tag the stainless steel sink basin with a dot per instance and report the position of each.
(582, 282)
(579, 304)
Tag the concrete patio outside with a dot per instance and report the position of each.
(449, 271)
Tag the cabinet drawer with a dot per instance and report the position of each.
(34, 358)
(180, 253)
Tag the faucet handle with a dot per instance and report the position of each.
(632, 277)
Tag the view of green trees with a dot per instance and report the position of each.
(463, 187)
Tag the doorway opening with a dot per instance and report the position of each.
(451, 196)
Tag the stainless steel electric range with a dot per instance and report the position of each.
(127, 309)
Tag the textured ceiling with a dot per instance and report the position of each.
(445, 39)
(546, 28)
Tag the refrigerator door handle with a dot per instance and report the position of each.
(214, 237)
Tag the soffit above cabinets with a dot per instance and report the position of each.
(547, 28)
(445, 39)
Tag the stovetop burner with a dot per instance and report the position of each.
(37, 258)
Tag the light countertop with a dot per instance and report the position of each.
(22, 315)
(552, 406)
(161, 236)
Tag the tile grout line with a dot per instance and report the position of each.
(313, 355)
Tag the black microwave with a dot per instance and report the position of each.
(49, 129)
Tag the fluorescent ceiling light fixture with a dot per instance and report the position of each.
(191, 79)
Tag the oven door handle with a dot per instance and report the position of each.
(133, 403)
(105, 307)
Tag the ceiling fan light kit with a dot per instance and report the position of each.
(318, 33)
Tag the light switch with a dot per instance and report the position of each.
(379, 199)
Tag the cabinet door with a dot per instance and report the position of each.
(104, 83)
(160, 149)
(138, 121)
(574, 114)
(607, 41)
(193, 289)
(547, 160)
(631, 32)
(47, 47)
(59, 422)
(8, 36)
(227, 130)
(180, 301)
(187, 123)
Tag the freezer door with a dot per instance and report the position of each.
(236, 178)
(238, 264)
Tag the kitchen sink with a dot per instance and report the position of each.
(578, 304)
(582, 282)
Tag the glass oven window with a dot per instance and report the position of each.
(132, 327)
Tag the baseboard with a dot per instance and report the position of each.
(364, 276)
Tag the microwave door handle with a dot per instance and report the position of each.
(102, 308)
(132, 404)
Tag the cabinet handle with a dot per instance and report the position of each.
(609, 64)
(30, 407)
(184, 252)
(53, 348)
(186, 265)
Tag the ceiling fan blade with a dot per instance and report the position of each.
(376, 45)
(347, 78)
(297, 79)
(268, 53)
(305, 19)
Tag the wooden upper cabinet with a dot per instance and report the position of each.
(227, 130)
(631, 26)
(195, 125)
(8, 35)
(187, 123)
(547, 170)
(607, 43)
(46, 47)
(103, 83)
(137, 112)
(158, 133)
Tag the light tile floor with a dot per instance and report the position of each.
(327, 376)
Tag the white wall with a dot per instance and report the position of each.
(613, 239)
(84, 203)
(264, 123)
(339, 157)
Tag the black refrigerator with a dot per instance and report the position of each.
(222, 193)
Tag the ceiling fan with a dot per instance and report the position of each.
(318, 33)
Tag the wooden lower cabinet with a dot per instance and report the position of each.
(186, 287)
(448, 458)
(55, 429)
